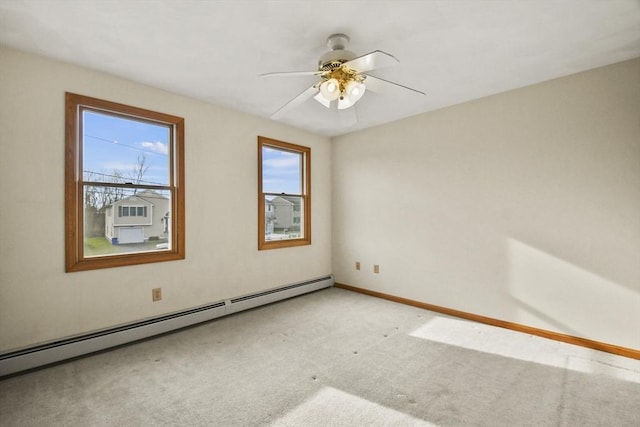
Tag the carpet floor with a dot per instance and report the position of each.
(332, 358)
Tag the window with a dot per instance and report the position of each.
(124, 185)
(132, 211)
(284, 194)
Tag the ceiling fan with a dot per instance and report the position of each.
(343, 79)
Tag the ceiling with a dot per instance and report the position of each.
(455, 51)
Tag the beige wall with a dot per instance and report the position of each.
(40, 302)
(524, 206)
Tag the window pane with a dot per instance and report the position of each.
(283, 217)
(281, 171)
(124, 185)
(106, 232)
(121, 150)
(284, 188)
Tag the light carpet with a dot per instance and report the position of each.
(332, 358)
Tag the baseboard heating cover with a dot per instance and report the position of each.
(45, 354)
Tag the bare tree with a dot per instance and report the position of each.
(138, 172)
(101, 196)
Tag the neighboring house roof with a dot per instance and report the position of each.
(150, 196)
(296, 203)
(280, 200)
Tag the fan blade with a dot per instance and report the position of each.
(322, 100)
(375, 59)
(348, 117)
(291, 73)
(305, 95)
(377, 84)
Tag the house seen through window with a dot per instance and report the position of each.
(284, 203)
(124, 185)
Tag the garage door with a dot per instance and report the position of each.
(130, 235)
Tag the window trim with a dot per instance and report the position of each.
(264, 244)
(74, 203)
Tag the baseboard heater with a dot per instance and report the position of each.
(45, 354)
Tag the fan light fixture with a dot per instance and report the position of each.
(330, 89)
(342, 77)
(342, 84)
(353, 92)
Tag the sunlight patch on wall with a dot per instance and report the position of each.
(529, 348)
(555, 294)
(334, 407)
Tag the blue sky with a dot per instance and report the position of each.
(113, 144)
(280, 171)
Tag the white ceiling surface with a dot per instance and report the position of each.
(454, 51)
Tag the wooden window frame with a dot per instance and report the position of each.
(264, 244)
(74, 185)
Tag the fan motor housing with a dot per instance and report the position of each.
(337, 55)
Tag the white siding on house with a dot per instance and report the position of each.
(146, 211)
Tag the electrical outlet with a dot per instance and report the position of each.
(156, 294)
(357, 265)
(376, 268)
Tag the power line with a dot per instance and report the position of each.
(113, 141)
(120, 196)
(121, 179)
